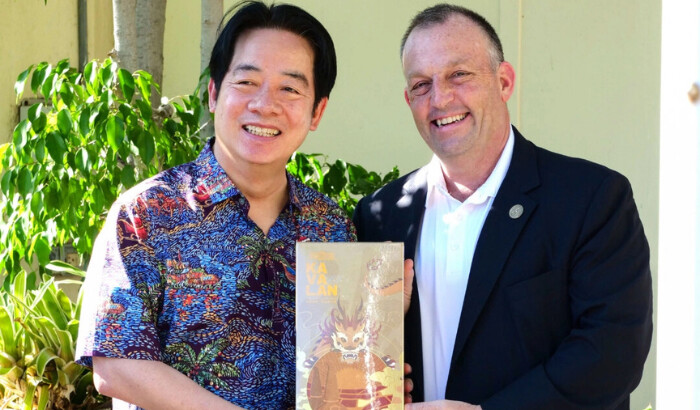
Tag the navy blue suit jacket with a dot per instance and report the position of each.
(557, 312)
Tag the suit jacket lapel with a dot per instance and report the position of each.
(407, 216)
(498, 236)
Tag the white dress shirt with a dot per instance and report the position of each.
(448, 237)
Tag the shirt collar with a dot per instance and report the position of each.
(212, 179)
(294, 187)
(436, 179)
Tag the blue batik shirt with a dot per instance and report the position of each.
(181, 275)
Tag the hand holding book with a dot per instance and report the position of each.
(408, 274)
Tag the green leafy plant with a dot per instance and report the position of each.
(93, 135)
(38, 329)
(341, 181)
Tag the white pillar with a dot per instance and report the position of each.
(678, 323)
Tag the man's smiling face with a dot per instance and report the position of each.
(264, 107)
(454, 89)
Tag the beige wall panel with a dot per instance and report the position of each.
(32, 32)
(590, 87)
(181, 47)
(100, 36)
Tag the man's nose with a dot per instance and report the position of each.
(264, 102)
(441, 94)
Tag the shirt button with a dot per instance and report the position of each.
(454, 246)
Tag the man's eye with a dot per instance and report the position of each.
(461, 75)
(420, 88)
(291, 90)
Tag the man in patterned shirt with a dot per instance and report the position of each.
(189, 298)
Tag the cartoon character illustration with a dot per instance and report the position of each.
(343, 367)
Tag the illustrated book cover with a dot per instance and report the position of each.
(349, 325)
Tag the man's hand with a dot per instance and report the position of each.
(407, 283)
(407, 384)
(442, 405)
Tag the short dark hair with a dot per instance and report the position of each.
(250, 15)
(439, 13)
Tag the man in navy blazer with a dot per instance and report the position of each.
(554, 299)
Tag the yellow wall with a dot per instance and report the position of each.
(590, 87)
(31, 32)
(587, 73)
(29, 35)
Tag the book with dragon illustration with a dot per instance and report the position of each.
(349, 324)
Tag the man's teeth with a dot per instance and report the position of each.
(263, 132)
(449, 120)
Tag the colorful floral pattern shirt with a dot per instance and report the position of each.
(180, 274)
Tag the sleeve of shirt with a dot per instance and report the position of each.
(122, 294)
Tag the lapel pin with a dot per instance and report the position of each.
(516, 211)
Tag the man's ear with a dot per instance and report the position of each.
(318, 113)
(212, 95)
(405, 96)
(506, 77)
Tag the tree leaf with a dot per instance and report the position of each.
(335, 178)
(39, 76)
(47, 86)
(37, 205)
(42, 250)
(19, 136)
(84, 122)
(107, 73)
(64, 121)
(21, 80)
(147, 148)
(6, 182)
(39, 123)
(81, 161)
(145, 111)
(66, 93)
(51, 198)
(115, 132)
(126, 83)
(127, 178)
(40, 151)
(90, 74)
(56, 146)
(25, 181)
(3, 160)
(97, 202)
(143, 82)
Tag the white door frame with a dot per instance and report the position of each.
(678, 319)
